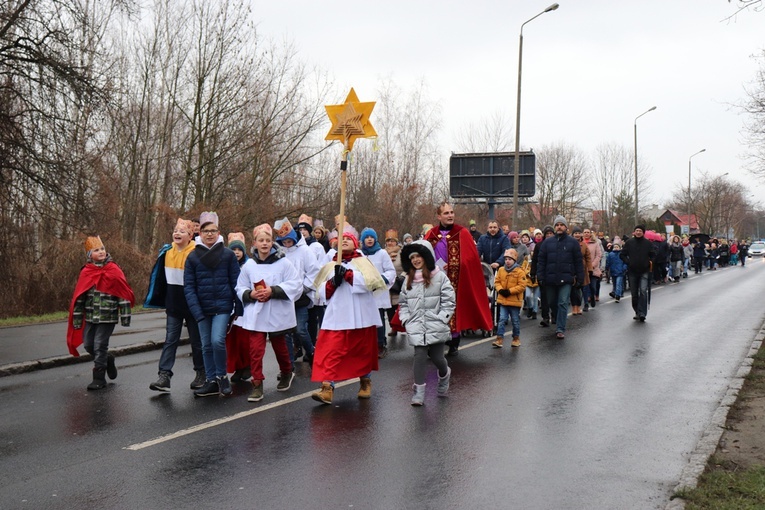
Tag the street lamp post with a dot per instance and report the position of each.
(636, 164)
(689, 188)
(517, 161)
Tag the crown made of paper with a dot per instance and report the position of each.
(93, 242)
(282, 227)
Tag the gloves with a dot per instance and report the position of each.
(339, 277)
(504, 292)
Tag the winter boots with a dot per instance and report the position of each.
(99, 379)
(324, 395)
(162, 384)
(365, 387)
(443, 382)
(418, 398)
(516, 341)
(199, 380)
(498, 342)
(111, 368)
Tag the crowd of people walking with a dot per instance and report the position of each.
(333, 298)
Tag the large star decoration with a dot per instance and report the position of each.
(350, 120)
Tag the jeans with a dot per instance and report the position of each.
(618, 285)
(212, 331)
(173, 327)
(95, 340)
(686, 265)
(594, 287)
(382, 341)
(532, 299)
(558, 298)
(301, 335)
(514, 312)
(639, 284)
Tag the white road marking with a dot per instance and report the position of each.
(227, 419)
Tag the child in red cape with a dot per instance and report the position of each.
(101, 297)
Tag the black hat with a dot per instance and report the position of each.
(424, 249)
(548, 228)
(640, 226)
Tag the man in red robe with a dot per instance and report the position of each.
(457, 254)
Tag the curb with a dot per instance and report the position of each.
(60, 361)
(710, 438)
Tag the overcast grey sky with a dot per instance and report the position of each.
(589, 68)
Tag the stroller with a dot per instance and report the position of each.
(488, 278)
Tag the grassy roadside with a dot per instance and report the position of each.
(734, 478)
(47, 318)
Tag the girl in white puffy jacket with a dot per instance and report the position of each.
(426, 304)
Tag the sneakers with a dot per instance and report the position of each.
(382, 352)
(225, 386)
(617, 298)
(285, 381)
(516, 341)
(199, 380)
(324, 395)
(497, 344)
(544, 323)
(208, 389)
(612, 294)
(365, 387)
(162, 384)
(418, 398)
(559, 335)
(534, 316)
(257, 392)
(111, 368)
(443, 382)
(99, 379)
(241, 375)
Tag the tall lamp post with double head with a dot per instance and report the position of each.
(517, 161)
(689, 187)
(637, 208)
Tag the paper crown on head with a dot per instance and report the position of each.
(391, 234)
(235, 236)
(332, 235)
(208, 217)
(186, 225)
(426, 227)
(337, 220)
(349, 230)
(318, 223)
(92, 242)
(263, 227)
(304, 218)
(282, 227)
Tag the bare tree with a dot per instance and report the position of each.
(754, 127)
(719, 204)
(613, 187)
(562, 182)
(493, 134)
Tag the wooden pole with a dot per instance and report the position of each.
(343, 176)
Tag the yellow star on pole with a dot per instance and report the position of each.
(350, 120)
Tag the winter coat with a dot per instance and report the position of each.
(676, 252)
(615, 264)
(699, 252)
(638, 253)
(560, 261)
(491, 248)
(425, 312)
(513, 280)
(209, 281)
(596, 254)
(586, 262)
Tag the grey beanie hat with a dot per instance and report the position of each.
(560, 219)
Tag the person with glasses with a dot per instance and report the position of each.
(209, 281)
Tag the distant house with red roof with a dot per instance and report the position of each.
(672, 217)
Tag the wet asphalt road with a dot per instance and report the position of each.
(605, 419)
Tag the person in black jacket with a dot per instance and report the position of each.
(559, 268)
(543, 304)
(639, 253)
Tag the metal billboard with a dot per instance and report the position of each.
(490, 175)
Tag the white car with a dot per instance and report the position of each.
(757, 250)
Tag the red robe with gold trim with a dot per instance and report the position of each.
(466, 275)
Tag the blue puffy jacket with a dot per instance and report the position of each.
(615, 264)
(209, 281)
(491, 248)
(560, 261)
